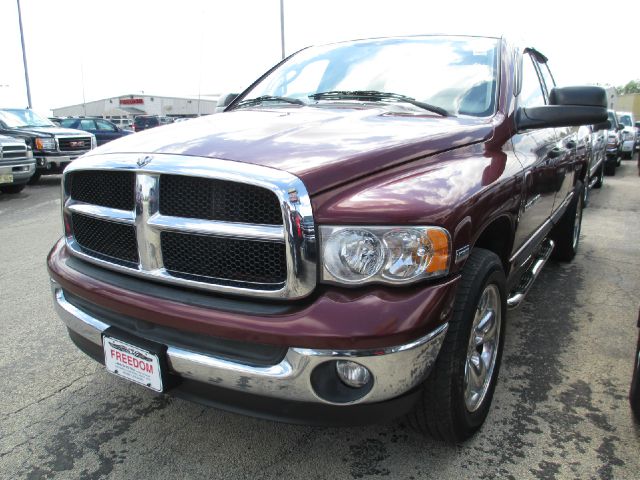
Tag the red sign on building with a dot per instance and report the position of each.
(131, 101)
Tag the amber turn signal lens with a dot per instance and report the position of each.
(440, 244)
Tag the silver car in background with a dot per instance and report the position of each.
(629, 134)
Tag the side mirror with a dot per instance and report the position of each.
(602, 126)
(568, 107)
(620, 127)
(226, 100)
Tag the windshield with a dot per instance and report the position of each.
(626, 120)
(457, 74)
(16, 118)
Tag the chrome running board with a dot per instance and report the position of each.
(529, 277)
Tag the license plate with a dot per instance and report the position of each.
(6, 178)
(133, 363)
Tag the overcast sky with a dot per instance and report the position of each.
(189, 46)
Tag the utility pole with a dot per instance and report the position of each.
(24, 56)
(84, 101)
(282, 26)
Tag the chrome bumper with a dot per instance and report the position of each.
(52, 161)
(395, 370)
(19, 170)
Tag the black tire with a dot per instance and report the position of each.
(564, 234)
(600, 175)
(610, 168)
(34, 179)
(11, 189)
(634, 393)
(442, 411)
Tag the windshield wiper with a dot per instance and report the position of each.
(374, 95)
(269, 98)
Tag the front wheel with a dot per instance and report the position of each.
(566, 233)
(610, 167)
(457, 395)
(600, 174)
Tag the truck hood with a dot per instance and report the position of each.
(52, 131)
(323, 146)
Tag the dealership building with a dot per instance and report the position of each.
(130, 106)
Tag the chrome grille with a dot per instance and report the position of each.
(13, 152)
(74, 144)
(206, 223)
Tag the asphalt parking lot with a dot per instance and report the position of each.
(560, 410)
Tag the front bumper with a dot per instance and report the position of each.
(55, 162)
(21, 171)
(395, 370)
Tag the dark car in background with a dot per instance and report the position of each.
(53, 147)
(144, 122)
(629, 134)
(104, 130)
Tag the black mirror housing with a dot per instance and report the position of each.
(602, 126)
(568, 107)
(550, 116)
(586, 96)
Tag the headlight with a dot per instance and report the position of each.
(93, 142)
(395, 255)
(29, 152)
(45, 143)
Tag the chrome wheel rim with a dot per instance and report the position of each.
(482, 351)
(577, 223)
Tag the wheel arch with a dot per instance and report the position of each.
(497, 236)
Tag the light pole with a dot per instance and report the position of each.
(24, 56)
(282, 26)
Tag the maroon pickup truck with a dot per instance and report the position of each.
(342, 244)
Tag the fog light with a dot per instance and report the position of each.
(352, 374)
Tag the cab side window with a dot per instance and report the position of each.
(531, 93)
